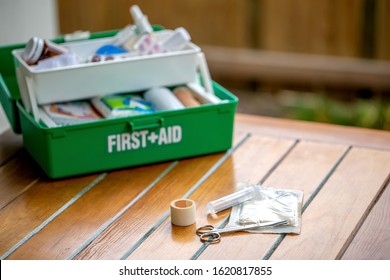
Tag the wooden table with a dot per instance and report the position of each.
(124, 214)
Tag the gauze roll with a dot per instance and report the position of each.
(162, 99)
(183, 212)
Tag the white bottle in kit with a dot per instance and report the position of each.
(162, 99)
(147, 43)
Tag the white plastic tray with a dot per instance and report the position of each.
(96, 79)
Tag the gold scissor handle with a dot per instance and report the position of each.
(210, 237)
(204, 229)
(208, 234)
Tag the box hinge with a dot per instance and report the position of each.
(58, 133)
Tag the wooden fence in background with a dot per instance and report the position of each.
(346, 28)
(357, 28)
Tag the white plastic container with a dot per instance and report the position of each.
(88, 80)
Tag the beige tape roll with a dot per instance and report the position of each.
(183, 212)
(186, 97)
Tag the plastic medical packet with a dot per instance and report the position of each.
(269, 205)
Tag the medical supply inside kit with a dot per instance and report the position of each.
(114, 99)
(70, 113)
(186, 97)
(113, 106)
(162, 99)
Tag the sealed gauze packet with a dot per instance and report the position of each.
(270, 205)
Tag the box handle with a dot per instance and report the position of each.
(32, 99)
(204, 71)
(150, 123)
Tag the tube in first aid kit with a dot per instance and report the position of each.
(162, 99)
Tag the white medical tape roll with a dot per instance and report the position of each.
(183, 212)
(162, 99)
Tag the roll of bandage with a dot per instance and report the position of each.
(162, 99)
(183, 212)
(186, 97)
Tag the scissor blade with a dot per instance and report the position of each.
(251, 226)
(266, 224)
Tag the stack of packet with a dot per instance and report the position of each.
(270, 205)
(114, 106)
(107, 107)
(71, 112)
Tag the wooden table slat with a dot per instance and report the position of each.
(343, 171)
(372, 241)
(36, 205)
(17, 176)
(10, 144)
(124, 233)
(330, 223)
(249, 164)
(304, 169)
(70, 229)
(323, 132)
(109, 245)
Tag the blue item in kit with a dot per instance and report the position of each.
(110, 50)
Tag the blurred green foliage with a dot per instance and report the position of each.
(319, 107)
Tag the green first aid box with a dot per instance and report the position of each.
(108, 144)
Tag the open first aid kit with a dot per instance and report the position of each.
(102, 103)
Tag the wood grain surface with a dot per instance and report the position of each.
(124, 214)
(339, 209)
(250, 164)
(303, 169)
(129, 228)
(337, 134)
(372, 241)
(17, 176)
(9, 145)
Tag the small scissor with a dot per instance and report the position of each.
(210, 234)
